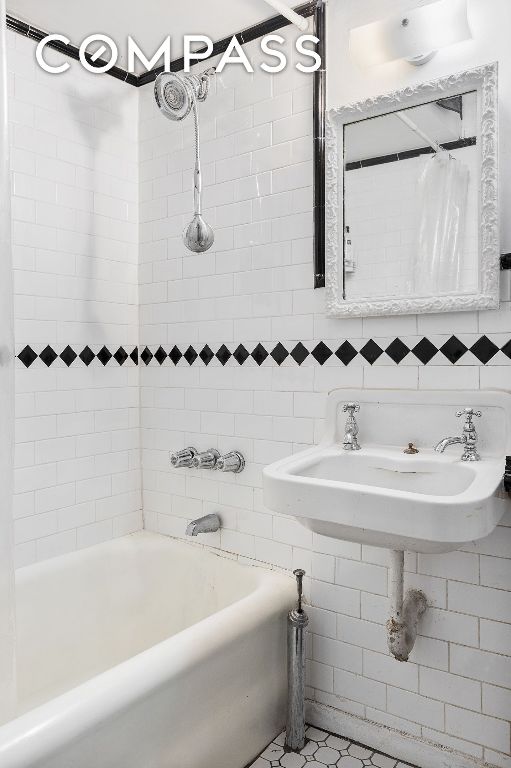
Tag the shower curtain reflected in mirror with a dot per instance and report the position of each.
(7, 657)
(443, 189)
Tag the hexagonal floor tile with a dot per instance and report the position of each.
(361, 752)
(316, 734)
(309, 748)
(292, 760)
(337, 743)
(324, 750)
(273, 752)
(382, 761)
(327, 755)
(350, 762)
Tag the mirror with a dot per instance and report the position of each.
(412, 220)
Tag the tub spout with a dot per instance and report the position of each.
(206, 524)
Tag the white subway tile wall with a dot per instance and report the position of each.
(255, 285)
(74, 162)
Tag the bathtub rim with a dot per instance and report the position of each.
(48, 727)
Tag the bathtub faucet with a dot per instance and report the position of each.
(206, 524)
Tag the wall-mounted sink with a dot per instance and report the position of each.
(424, 502)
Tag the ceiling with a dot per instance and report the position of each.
(148, 22)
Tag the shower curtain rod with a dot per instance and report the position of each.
(289, 14)
(415, 128)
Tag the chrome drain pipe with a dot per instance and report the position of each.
(297, 621)
(405, 612)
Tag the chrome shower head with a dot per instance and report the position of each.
(176, 95)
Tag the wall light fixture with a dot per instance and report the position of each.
(414, 36)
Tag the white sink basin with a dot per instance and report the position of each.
(425, 502)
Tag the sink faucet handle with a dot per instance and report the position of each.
(469, 413)
(350, 441)
(469, 436)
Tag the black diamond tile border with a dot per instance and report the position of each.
(206, 355)
(190, 355)
(48, 356)
(371, 352)
(82, 356)
(292, 353)
(68, 355)
(87, 356)
(240, 354)
(223, 354)
(160, 355)
(453, 349)
(424, 351)
(321, 353)
(27, 356)
(299, 353)
(346, 353)
(397, 351)
(484, 349)
(279, 353)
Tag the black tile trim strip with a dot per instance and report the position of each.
(27, 30)
(319, 132)
(394, 157)
(245, 36)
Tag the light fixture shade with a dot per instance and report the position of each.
(412, 34)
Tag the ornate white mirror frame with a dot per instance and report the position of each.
(482, 80)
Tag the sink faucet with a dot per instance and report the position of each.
(468, 437)
(206, 524)
(350, 442)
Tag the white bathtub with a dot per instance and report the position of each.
(147, 653)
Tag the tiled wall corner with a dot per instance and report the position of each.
(74, 156)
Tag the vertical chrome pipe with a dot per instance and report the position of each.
(297, 621)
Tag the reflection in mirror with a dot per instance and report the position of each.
(411, 186)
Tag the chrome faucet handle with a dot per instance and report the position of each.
(350, 440)
(231, 462)
(206, 459)
(469, 413)
(469, 434)
(183, 458)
